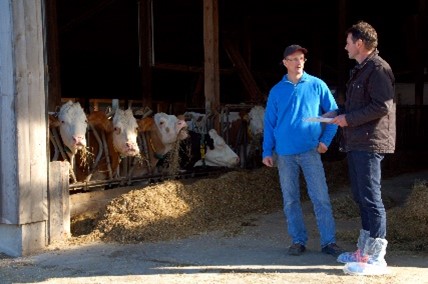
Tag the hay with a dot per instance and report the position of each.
(408, 225)
(176, 209)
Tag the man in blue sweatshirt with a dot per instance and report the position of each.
(293, 134)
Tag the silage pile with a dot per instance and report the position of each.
(408, 225)
(179, 208)
(176, 209)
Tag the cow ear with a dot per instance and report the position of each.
(181, 117)
(99, 119)
(54, 121)
(145, 124)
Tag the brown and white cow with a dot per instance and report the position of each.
(119, 140)
(142, 141)
(160, 135)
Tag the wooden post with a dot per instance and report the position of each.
(59, 201)
(145, 39)
(211, 61)
(53, 64)
(23, 124)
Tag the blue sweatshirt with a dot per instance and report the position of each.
(288, 104)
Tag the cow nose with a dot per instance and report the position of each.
(131, 145)
(79, 140)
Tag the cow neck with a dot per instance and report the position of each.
(68, 150)
(154, 139)
(157, 155)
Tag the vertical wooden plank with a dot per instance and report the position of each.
(23, 163)
(8, 149)
(53, 63)
(30, 110)
(146, 49)
(419, 68)
(341, 55)
(211, 61)
(59, 201)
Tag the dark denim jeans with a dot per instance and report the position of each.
(289, 168)
(365, 178)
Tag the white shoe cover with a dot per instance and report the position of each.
(359, 268)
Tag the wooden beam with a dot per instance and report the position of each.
(255, 95)
(420, 49)
(211, 61)
(87, 15)
(189, 68)
(145, 41)
(53, 62)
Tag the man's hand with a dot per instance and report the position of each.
(268, 161)
(340, 120)
(322, 148)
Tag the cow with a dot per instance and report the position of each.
(244, 133)
(72, 123)
(254, 146)
(256, 120)
(118, 140)
(242, 130)
(159, 136)
(213, 152)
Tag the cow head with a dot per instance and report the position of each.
(256, 116)
(171, 129)
(221, 155)
(125, 131)
(72, 126)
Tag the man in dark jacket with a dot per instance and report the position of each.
(368, 124)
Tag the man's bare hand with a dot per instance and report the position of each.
(268, 161)
(340, 120)
(322, 148)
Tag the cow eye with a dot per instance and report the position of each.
(117, 130)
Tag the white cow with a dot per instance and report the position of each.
(72, 123)
(256, 116)
(125, 131)
(221, 155)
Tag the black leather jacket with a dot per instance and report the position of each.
(370, 107)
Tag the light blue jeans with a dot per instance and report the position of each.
(310, 163)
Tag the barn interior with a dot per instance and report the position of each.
(153, 53)
(99, 45)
